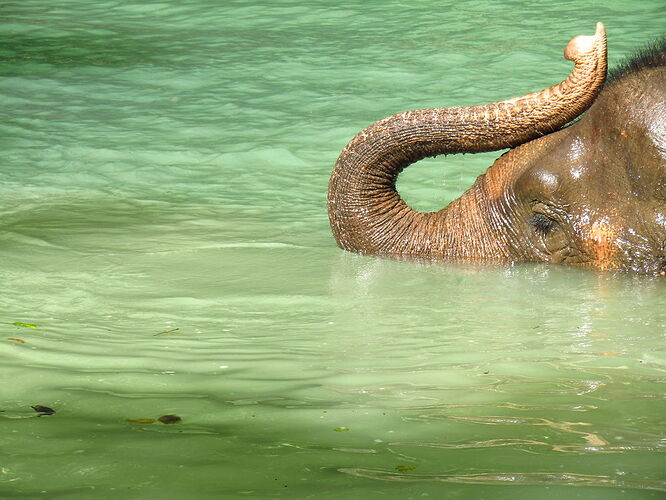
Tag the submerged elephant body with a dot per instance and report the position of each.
(592, 193)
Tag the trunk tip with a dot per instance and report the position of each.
(583, 47)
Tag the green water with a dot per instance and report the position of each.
(163, 184)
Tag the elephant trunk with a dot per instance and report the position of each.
(366, 213)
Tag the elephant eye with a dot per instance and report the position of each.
(542, 224)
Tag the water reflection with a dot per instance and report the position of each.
(524, 479)
(505, 357)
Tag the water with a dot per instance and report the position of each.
(164, 228)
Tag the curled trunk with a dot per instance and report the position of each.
(366, 213)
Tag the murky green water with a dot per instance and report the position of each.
(163, 185)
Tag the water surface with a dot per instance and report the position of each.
(164, 228)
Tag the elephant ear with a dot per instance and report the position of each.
(366, 213)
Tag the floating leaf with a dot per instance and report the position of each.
(24, 325)
(341, 429)
(140, 420)
(43, 410)
(173, 330)
(405, 468)
(16, 340)
(169, 419)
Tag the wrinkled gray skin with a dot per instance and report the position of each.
(591, 194)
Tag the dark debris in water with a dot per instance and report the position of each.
(405, 468)
(43, 410)
(169, 419)
(163, 332)
(18, 324)
(165, 419)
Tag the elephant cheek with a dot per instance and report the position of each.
(602, 244)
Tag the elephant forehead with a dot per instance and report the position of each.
(628, 127)
(575, 157)
(522, 165)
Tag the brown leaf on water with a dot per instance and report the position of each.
(169, 419)
(140, 420)
(43, 410)
(16, 340)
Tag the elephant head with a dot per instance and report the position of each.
(592, 193)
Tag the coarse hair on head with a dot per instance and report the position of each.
(652, 55)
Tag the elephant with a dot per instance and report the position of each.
(584, 190)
